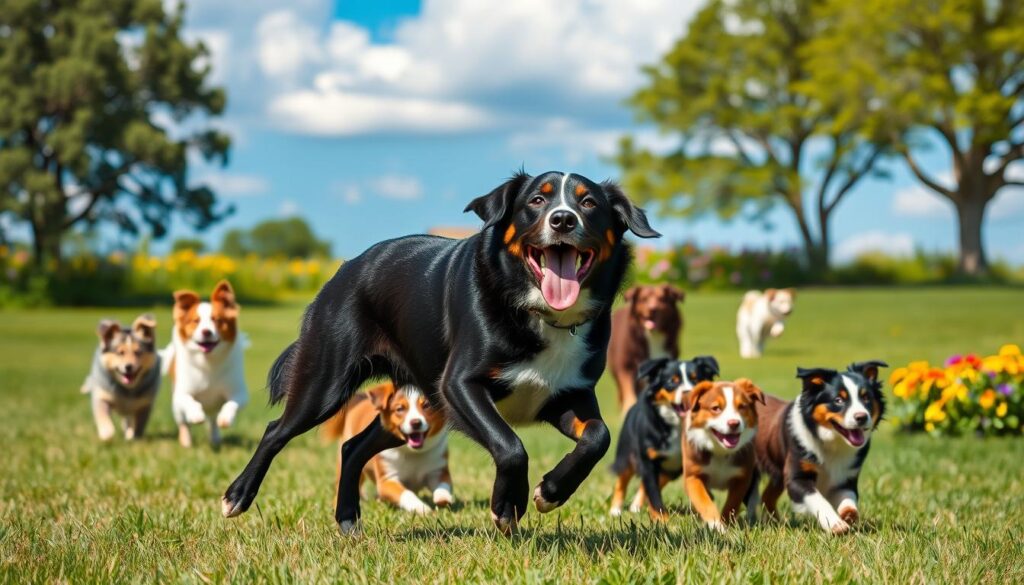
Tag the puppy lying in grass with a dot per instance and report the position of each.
(401, 472)
(125, 376)
(814, 447)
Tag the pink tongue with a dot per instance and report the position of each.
(558, 282)
(856, 437)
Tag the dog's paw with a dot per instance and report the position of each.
(716, 526)
(506, 525)
(615, 511)
(849, 514)
(443, 498)
(542, 504)
(230, 509)
(351, 528)
(410, 502)
(225, 420)
(777, 330)
(840, 527)
(106, 434)
(659, 516)
(129, 434)
(636, 508)
(194, 414)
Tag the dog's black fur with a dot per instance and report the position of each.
(645, 432)
(457, 318)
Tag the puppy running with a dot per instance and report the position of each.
(650, 444)
(814, 447)
(647, 327)
(205, 360)
(760, 317)
(125, 376)
(721, 422)
(422, 462)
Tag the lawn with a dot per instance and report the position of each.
(76, 511)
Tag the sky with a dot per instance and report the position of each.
(380, 119)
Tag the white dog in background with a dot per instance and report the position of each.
(760, 316)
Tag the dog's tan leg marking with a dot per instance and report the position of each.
(184, 436)
(104, 423)
(770, 497)
(619, 493)
(734, 499)
(701, 501)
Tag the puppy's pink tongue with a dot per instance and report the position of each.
(856, 437)
(559, 284)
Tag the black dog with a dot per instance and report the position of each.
(814, 447)
(650, 444)
(508, 326)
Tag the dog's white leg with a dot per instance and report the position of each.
(845, 503)
(227, 413)
(410, 502)
(187, 409)
(816, 505)
(638, 501)
(101, 414)
(777, 329)
(184, 436)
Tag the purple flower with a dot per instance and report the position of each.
(991, 375)
(1005, 389)
(954, 360)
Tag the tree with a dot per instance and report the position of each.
(89, 91)
(291, 238)
(194, 244)
(950, 70)
(734, 90)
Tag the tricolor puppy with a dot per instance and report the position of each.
(647, 327)
(761, 316)
(509, 326)
(718, 453)
(125, 376)
(420, 463)
(650, 444)
(205, 360)
(814, 447)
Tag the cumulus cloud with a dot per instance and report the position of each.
(395, 187)
(919, 201)
(891, 244)
(236, 185)
(288, 208)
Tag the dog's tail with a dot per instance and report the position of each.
(277, 378)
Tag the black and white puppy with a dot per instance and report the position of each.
(814, 447)
(505, 327)
(650, 443)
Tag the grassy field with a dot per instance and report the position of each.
(76, 511)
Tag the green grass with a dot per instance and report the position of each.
(76, 511)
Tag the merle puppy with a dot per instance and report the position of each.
(650, 444)
(508, 326)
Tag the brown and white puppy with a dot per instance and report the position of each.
(718, 452)
(814, 447)
(205, 360)
(761, 316)
(125, 376)
(648, 327)
(422, 462)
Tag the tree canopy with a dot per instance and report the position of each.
(101, 104)
(291, 238)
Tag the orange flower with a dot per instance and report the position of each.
(988, 399)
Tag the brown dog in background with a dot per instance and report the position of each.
(648, 327)
(422, 462)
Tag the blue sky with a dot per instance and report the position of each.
(379, 119)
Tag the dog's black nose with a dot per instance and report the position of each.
(416, 424)
(128, 368)
(206, 333)
(562, 221)
(861, 418)
(733, 424)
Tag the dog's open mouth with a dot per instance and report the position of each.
(207, 346)
(415, 440)
(560, 269)
(854, 437)
(679, 409)
(128, 377)
(728, 440)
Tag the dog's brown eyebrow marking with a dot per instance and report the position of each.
(547, 188)
(581, 190)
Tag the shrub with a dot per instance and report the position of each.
(969, 394)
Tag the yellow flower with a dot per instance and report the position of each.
(934, 413)
(897, 375)
(1009, 350)
(1001, 409)
(929, 426)
(988, 399)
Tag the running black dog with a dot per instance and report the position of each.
(650, 444)
(508, 326)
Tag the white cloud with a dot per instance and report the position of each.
(1009, 201)
(347, 192)
(288, 208)
(398, 187)
(919, 201)
(891, 244)
(236, 185)
(286, 43)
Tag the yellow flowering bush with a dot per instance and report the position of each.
(968, 394)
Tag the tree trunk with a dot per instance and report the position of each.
(970, 213)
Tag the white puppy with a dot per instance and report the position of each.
(760, 316)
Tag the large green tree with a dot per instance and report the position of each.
(101, 103)
(946, 71)
(734, 90)
(291, 237)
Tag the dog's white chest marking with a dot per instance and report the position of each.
(719, 472)
(414, 468)
(837, 460)
(555, 369)
(656, 344)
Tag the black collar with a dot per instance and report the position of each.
(571, 327)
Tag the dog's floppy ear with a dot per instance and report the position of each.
(693, 397)
(380, 395)
(708, 362)
(630, 216)
(747, 386)
(493, 207)
(791, 291)
(224, 295)
(769, 293)
(144, 327)
(674, 293)
(107, 330)
(183, 301)
(649, 367)
(815, 378)
(868, 369)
